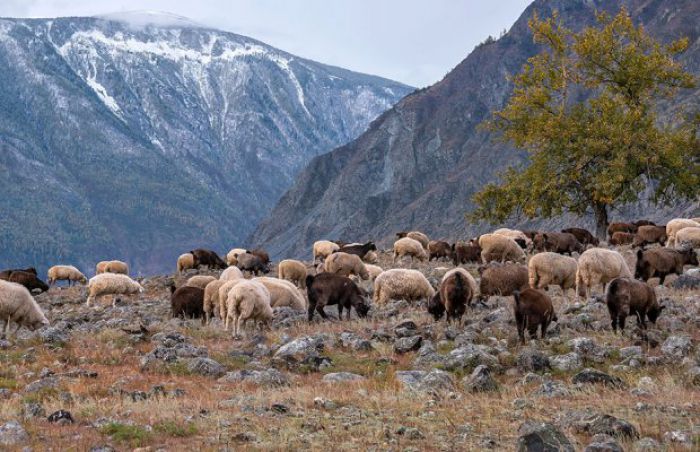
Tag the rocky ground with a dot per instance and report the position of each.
(116, 378)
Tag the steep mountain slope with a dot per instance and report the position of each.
(419, 163)
(138, 137)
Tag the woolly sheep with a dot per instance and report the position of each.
(65, 272)
(549, 268)
(407, 246)
(211, 299)
(294, 271)
(324, 248)
(111, 283)
(283, 293)
(599, 266)
(231, 274)
(373, 271)
(223, 294)
(185, 262)
(400, 283)
(248, 300)
(513, 234)
(345, 264)
(675, 225)
(417, 236)
(100, 267)
(496, 247)
(17, 305)
(371, 257)
(200, 281)
(118, 267)
(689, 236)
(232, 256)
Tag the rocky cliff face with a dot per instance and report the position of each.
(139, 138)
(419, 163)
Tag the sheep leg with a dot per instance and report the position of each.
(621, 321)
(544, 326)
(340, 311)
(520, 322)
(321, 312)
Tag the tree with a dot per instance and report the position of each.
(586, 109)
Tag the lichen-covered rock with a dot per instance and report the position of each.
(206, 366)
(342, 377)
(12, 434)
(542, 437)
(594, 376)
(269, 377)
(677, 346)
(480, 380)
(532, 360)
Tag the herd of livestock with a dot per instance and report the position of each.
(521, 264)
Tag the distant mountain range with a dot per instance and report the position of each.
(139, 136)
(418, 165)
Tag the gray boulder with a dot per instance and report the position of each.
(480, 380)
(339, 377)
(12, 434)
(542, 437)
(206, 366)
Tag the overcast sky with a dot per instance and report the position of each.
(412, 41)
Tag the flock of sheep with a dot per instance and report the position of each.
(522, 264)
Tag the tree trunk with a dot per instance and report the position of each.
(601, 221)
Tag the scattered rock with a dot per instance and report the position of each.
(245, 437)
(677, 346)
(647, 444)
(32, 409)
(422, 381)
(338, 377)
(678, 437)
(43, 384)
(532, 360)
(593, 376)
(608, 425)
(409, 432)
(566, 363)
(480, 380)
(269, 377)
(407, 344)
(12, 434)
(552, 388)
(542, 437)
(206, 366)
(686, 282)
(603, 443)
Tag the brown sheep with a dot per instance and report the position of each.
(639, 223)
(407, 246)
(463, 253)
(415, 235)
(326, 289)
(647, 234)
(207, 258)
(627, 296)
(583, 236)
(621, 227)
(118, 267)
(360, 250)
(457, 289)
(557, 242)
(502, 279)
(5, 274)
(294, 271)
(622, 238)
(533, 309)
(438, 249)
(661, 262)
(262, 254)
(187, 302)
(28, 280)
(252, 263)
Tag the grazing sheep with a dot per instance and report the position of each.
(620, 238)
(231, 273)
(407, 246)
(327, 289)
(65, 272)
(28, 280)
(262, 254)
(324, 248)
(373, 271)
(549, 268)
(688, 236)
(100, 267)
(207, 258)
(223, 295)
(502, 279)
(661, 262)
(675, 225)
(283, 293)
(17, 305)
(232, 256)
(647, 234)
(639, 223)
(400, 283)
(438, 249)
(457, 289)
(5, 274)
(621, 227)
(344, 264)
(583, 236)
(248, 300)
(200, 281)
(185, 262)
(627, 296)
(496, 247)
(187, 302)
(557, 242)
(359, 249)
(599, 266)
(417, 236)
(518, 236)
(371, 257)
(111, 284)
(294, 271)
(210, 303)
(435, 306)
(533, 309)
(463, 253)
(118, 267)
(252, 263)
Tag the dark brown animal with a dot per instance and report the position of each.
(207, 258)
(661, 262)
(187, 302)
(557, 242)
(627, 296)
(262, 254)
(435, 306)
(465, 252)
(533, 309)
(583, 236)
(621, 227)
(252, 263)
(358, 250)
(622, 238)
(502, 279)
(5, 274)
(455, 294)
(639, 223)
(438, 249)
(28, 280)
(531, 234)
(648, 234)
(326, 289)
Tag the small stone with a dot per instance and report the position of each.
(245, 437)
(593, 376)
(206, 366)
(337, 377)
(532, 360)
(269, 377)
(694, 375)
(603, 443)
(12, 434)
(647, 444)
(542, 437)
(407, 344)
(480, 380)
(566, 363)
(677, 346)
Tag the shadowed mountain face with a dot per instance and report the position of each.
(419, 163)
(141, 138)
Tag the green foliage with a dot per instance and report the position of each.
(175, 429)
(133, 435)
(586, 109)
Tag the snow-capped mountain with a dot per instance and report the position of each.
(141, 135)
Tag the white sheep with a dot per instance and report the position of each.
(599, 266)
(231, 274)
(324, 248)
(401, 283)
(200, 281)
(690, 236)
(496, 247)
(675, 225)
(111, 283)
(373, 271)
(185, 262)
(65, 272)
(100, 267)
(371, 257)
(211, 300)
(248, 300)
(294, 271)
(283, 293)
(17, 305)
(118, 267)
(549, 268)
(407, 246)
(232, 256)
(223, 295)
(345, 264)
(417, 236)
